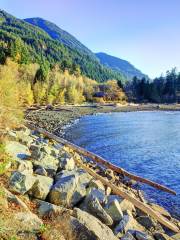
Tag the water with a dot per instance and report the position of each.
(144, 143)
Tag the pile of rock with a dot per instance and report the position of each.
(46, 172)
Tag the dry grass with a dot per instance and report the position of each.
(54, 227)
(58, 228)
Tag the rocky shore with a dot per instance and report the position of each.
(55, 120)
(46, 195)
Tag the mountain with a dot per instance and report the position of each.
(120, 65)
(28, 43)
(116, 64)
(59, 34)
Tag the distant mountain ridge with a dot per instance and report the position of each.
(120, 65)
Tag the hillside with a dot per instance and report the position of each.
(35, 45)
(59, 34)
(120, 65)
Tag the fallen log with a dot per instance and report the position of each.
(101, 160)
(140, 205)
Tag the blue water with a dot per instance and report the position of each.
(144, 143)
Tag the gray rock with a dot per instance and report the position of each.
(46, 149)
(114, 210)
(21, 182)
(111, 198)
(163, 236)
(12, 135)
(41, 171)
(142, 236)
(70, 187)
(46, 209)
(24, 137)
(62, 193)
(49, 163)
(66, 162)
(17, 150)
(96, 184)
(90, 228)
(23, 165)
(128, 222)
(99, 194)
(124, 204)
(41, 187)
(95, 208)
(14, 199)
(147, 222)
(83, 177)
(36, 152)
(54, 152)
(128, 236)
(29, 219)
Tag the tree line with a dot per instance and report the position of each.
(163, 89)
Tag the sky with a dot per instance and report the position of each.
(144, 32)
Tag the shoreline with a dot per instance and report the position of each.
(56, 120)
(50, 183)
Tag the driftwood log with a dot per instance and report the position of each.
(101, 160)
(140, 205)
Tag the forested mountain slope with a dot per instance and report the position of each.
(59, 34)
(120, 65)
(35, 45)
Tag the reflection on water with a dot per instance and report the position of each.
(145, 143)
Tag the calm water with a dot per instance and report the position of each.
(144, 143)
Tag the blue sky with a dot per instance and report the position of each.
(144, 32)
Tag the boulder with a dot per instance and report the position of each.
(128, 236)
(46, 209)
(17, 150)
(21, 182)
(96, 184)
(84, 177)
(23, 166)
(163, 236)
(94, 207)
(70, 187)
(146, 221)
(88, 227)
(11, 135)
(127, 222)
(124, 204)
(41, 171)
(67, 191)
(142, 236)
(11, 198)
(99, 194)
(114, 210)
(30, 219)
(49, 163)
(24, 137)
(36, 152)
(46, 149)
(66, 162)
(41, 187)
